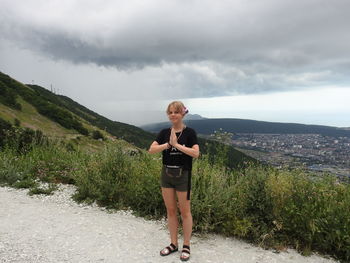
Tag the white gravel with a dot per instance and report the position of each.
(54, 228)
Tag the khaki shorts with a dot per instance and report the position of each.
(180, 182)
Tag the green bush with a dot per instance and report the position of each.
(5, 126)
(119, 180)
(96, 134)
(8, 97)
(22, 139)
(43, 190)
(13, 168)
(17, 122)
(312, 212)
(46, 163)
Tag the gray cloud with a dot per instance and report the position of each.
(202, 48)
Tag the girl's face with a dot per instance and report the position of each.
(175, 116)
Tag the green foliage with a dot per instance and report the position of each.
(220, 149)
(48, 163)
(17, 122)
(49, 167)
(9, 172)
(21, 139)
(4, 127)
(70, 146)
(220, 152)
(313, 212)
(272, 207)
(61, 116)
(43, 190)
(119, 180)
(8, 97)
(230, 201)
(25, 183)
(96, 134)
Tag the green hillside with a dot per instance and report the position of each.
(29, 117)
(65, 112)
(129, 133)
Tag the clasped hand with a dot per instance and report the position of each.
(173, 138)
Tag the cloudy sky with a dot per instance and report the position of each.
(271, 60)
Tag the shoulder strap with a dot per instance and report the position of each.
(189, 184)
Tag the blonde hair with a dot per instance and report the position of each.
(178, 106)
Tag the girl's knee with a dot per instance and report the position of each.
(172, 211)
(185, 214)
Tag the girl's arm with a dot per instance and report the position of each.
(193, 152)
(156, 147)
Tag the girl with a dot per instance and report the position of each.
(178, 145)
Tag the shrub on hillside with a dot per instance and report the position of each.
(61, 116)
(23, 139)
(96, 134)
(49, 163)
(8, 97)
(17, 122)
(119, 180)
(5, 126)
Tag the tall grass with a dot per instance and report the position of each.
(274, 208)
(118, 179)
(270, 207)
(48, 163)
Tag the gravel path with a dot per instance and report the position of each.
(54, 228)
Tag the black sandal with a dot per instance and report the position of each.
(168, 250)
(185, 253)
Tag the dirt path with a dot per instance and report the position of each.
(56, 229)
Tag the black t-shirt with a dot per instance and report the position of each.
(173, 156)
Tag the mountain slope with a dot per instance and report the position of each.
(127, 132)
(29, 117)
(67, 115)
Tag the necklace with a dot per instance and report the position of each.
(181, 132)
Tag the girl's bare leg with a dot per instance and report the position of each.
(185, 209)
(169, 198)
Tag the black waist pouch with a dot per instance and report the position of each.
(173, 170)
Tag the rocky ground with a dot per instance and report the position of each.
(54, 228)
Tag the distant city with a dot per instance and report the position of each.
(313, 151)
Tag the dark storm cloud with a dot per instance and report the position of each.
(207, 48)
